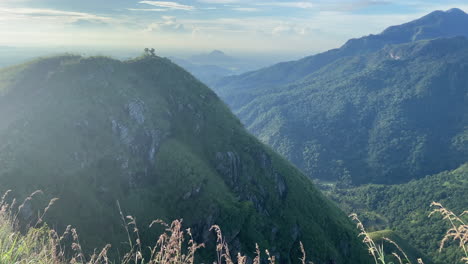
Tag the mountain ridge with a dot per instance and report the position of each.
(287, 72)
(146, 133)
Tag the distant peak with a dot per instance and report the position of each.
(455, 11)
(217, 52)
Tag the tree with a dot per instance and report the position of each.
(150, 52)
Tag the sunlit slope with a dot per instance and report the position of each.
(92, 131)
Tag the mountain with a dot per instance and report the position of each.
(374, 110)
(239, 90)
(216, 65)
(144, 132)
(215, 57)
(405, 208)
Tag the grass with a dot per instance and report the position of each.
(34, 242)
(40, 244)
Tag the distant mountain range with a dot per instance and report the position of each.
(144, 132)
(216, 65)
(383, 108)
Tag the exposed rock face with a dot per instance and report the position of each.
(229, 166)
(281, 186)
(136, 111)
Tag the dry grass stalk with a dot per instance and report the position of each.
(397, 257)
(399, 249)
(377, 251)
(458, 230)
(373, 249)
(303, 258)
(256, 260)
(222, 249)
(172, 246)
(169, 248)
(271, 258)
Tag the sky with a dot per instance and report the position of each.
(235, 26)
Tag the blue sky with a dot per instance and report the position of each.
(267, 26)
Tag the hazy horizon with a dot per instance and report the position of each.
(286, 28)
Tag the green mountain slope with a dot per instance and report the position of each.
(405, 208)
(384, 117)
(374, 110)
(92, 131)
(242, 89)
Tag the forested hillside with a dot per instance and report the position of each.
(404, 209)
(373, 110)
(144, 132)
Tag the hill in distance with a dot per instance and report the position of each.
(215, 57)
(216, 65)
(144, 132)
(384, 108)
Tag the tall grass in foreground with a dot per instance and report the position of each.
(34, 246)
(33, 242)
(458, 233)
(40, 244)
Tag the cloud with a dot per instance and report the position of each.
(346, 6)
(44, 13)
(283, 25)
(219, 1)
(170, 5)
(148, 9)
(168, 24)
(246, 9)
(290, 29)
(303, 5)
(85, 23)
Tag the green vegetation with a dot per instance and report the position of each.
(378, 242)
(384, 108)
(371, 118)
(404, 210)
(93, 131)
(32, 247)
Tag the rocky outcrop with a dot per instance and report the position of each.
(229, 166)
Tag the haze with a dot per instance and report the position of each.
(289, 28)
